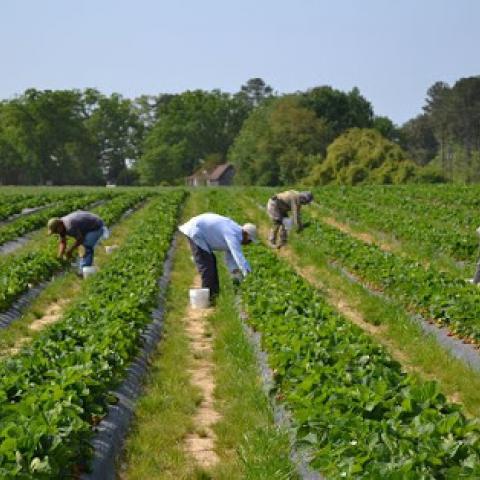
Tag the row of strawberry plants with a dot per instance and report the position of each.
(20, 271)
(53, 391)
(456, 198)
(362, 416)
(355, 408)
(26, 224)
(436, 294)
(11, 204)
(393, 211)
(440, 227)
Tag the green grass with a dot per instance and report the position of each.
(418, 352)
(154, 449)
(411, 249)
(248, 443)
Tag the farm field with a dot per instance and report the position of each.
(370, 332)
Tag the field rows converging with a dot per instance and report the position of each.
(348, 386)
(58, 385)
(13, 205)
(433, 221)
(317, 367)
(23, 269)
(26, 224)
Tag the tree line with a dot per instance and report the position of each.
(319, 136)
(447, 133)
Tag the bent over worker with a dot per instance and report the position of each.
(278, 208)
(210, 232)
(85, 227)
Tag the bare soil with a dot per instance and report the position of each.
(362, 236)
(200, 444)
(53, 314)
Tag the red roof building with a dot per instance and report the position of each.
(221, 175)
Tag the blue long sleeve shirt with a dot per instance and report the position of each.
(212, 232)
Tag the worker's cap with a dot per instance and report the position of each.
(306, 197)
(251, 230)
(53, 225)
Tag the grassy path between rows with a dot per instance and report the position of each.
(58, 294)
(384, 320)
(247, 444)
(387, 241)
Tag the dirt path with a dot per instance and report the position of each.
(362, 236)
(353, 315)
(340, 303)
(350, 312)
(52, 314)
(201, 443)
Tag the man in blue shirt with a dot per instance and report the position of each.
(210, 232)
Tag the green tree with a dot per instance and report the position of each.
(44, 132)
(454, 116)
(255, 91)
(117, 131)
(190, 126)
(364, 156)
(387, 128)
(339, 109)
(419, 139)
(278, 143)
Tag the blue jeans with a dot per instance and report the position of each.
(89, 242)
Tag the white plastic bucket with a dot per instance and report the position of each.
(88, 271)
(287, 223)
(110, 248)
(199, 297)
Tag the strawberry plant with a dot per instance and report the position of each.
(19, 272)
(26, 224)
(353, 406)
(54, 391)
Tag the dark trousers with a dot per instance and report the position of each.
(206, 263)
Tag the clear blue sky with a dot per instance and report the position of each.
(393, 50)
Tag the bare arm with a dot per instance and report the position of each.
(62, 245)
(77, 243)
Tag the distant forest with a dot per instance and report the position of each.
(316, 137)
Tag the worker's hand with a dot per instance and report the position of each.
(237, 278)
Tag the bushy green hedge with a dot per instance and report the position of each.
(364, 156)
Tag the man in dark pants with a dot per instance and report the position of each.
(210, 232)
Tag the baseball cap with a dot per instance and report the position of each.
(53, 224)
(307, 197)
(251, 231)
